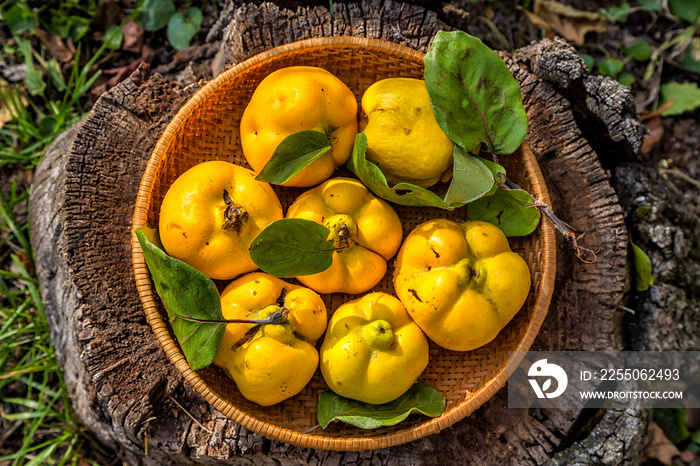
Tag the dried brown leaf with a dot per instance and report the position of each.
(660, 447)
(26, 262)
(99, 88)
(121, 73)
(653, 137)
(108, 14)
(571, 23)
(71, 46)
(133, 37)
(112, 77)
(658, 111)
(688, 457)
(55, 45)
(540, 23)
(6, 113)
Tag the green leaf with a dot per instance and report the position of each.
(639, 51)
(34, 80)
(53, 68)
(79, 28)
(74, 27)
(688, 10)
(372, 177)
(186, 293)
(194, 15)
(691, 62)
(471, 180)
(420, 398)
(475, 98)
(652, 5)
(626, 79)
(60, 25)
(672, 422)
(155, 14)
(642, 265)
(588, 60)
(610, 67)
(696, 437)
(48, 124)
(510, 210)
(114, 37)
(291, 247)
(617, 14)
(182, 28)
(498, 172)
(686, 96)
(19, 18)
(293, 154)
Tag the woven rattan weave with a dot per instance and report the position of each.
(206, 128)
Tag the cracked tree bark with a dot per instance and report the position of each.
(126, 392)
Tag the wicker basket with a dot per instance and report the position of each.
(206, 128)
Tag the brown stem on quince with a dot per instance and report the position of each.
(344, 234)
(275, 318)
(342, 231)
(562, 227)
(282, 297)
(235, 215)
(252, 331)
(278, 317)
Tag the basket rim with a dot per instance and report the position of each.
(309, 440)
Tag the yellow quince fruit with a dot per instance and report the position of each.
(211, 214)
(373, 352)
(278, 360)
(294, 99)
(460, 282)
(366, 232)
(403, 137)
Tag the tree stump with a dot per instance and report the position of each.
(129, 396)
